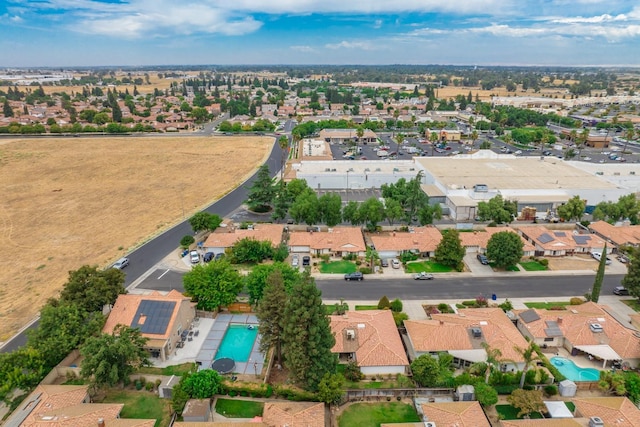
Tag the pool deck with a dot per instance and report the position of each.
(202, 349)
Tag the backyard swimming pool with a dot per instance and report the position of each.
(237, 342)
(573, 372)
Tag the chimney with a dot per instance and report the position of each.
(101, 422)
(559, 321)
(442, 322)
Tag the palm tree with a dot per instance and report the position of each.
(628, 137)
(530, 356)
(474, 135)
(494, 356)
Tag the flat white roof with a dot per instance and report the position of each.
(357, 166)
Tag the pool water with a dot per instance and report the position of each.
(237, 342)
(573, 372)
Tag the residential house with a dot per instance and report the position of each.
(560, 242)
(371, 340)
(68, 406)
(226, 237)
(476, 241)
(465, 334)
(459, 414)
(613, 411)
(294, 414)
(163, 319)
(622, 235)
(546, 422)
(337, 242)
(582, 329)
(421, 240)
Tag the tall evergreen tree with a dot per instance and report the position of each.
(632, 280)
(261, 193)
(307, 337)
(597, 283)
(6, 108)
(270, 313)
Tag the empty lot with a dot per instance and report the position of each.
(76, 201)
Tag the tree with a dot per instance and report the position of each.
(62, 328)
(257, 279)
(450, 250)
(307, 337)
(22, 369)
(612, 383)
(597, 283)
(213, 285)
(250, 250)
(111, 358)
(205, 221)
(261, 193)
(371, 211)
(270, 313)
(351, 213)
(392, 210)
(530, 356)
(485, 394)
(527, 401)
(6, 109)
(91, 289)
(631, 280)
(283, 143)
(330, 388)
(505, 249)
(330, 206)
(497, 210)
(573, 209)
(493, 360)
(429, 371)
(186, 241)
(202, 384)
(306, 208)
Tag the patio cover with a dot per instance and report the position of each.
(602, 351)
(476, 355)
(557, 409)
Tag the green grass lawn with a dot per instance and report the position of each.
(547, 305)
(571, 406)
(533, 266)
(366, 307)
(427, 267)
(510, 268)
(177, 370)
(141, 405)
(508, 412)
(633, 303)
(337, 267)
(374, 414)
(233, 408)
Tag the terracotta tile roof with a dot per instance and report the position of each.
(378, 343)
(423, 239)
(561, 240)
(480, 239)
(460, 414)
(80, 415)
(126, 306)
(129, 422)
(451, 332)
(574, 324)
(621, 235)
(341, 239)
(547, 422)
(260, 232)
(614, 411)
(294, 414)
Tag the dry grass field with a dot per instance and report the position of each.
(71, 202)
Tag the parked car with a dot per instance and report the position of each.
(121, 263)
(597, 256)
(623, 259)
(208, 257)
(294, 261)
(483, 259)
(384, 262)
(306, 261)
(395, 263)
(423, 276)
(219, 256)
(620, 290)
(354, 276)
(194, 256)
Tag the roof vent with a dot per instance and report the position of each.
(429, 424)
(361, 325)
(351, 334)
(595, 327)
(596, 422)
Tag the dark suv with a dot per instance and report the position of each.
(483, 259)
(354, 276)
(306, 261)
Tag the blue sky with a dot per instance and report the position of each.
(164, 32)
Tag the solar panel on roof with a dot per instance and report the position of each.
(581, 239)
(552, 329)
(560, 233)
(153, 317)
(529, 316)
(545, 238)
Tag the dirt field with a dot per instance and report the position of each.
(71, 202)
(576, 262)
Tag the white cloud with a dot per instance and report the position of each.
(306, 49)
(350, 45)
(591, 19)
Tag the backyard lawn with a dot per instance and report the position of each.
(510, 268)
(633, 303)
(508, 412)
(366, 307)
(374, 414)
(337, 267)
(141, 405)
(427, 267)
(177, 370)
(238, 408)
(547, 305)
(533, 266)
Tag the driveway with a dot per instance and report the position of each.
(475, 267)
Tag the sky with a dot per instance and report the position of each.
(68, 33)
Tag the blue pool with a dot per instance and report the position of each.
(573, 372)
(237, 342)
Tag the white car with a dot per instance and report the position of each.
(395, 263)
(598, 256)
(121, 263)
(294, 261)
(194, 256)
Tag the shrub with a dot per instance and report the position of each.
(492, 224)
(399, 318)
(576, 301)
(187, 241)
(358, 262)
(396, 305)
(365, 270)
(143, 380)
(469, 303)
(138, 385)
(557, 307)
(158, 382)
(149, 386)
(408, 256)
(481, 301)
(269, 392)
(544, 262)
(506, 306)
(383, 303)
(506, 389)
(443, 307)
(325, 258)
(352, 372)
(551, 390)
(585, 223)
(232, 393)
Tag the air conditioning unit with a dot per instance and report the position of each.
(476, 332)
(596, 327)
(596, 422)
(351, 334)
(429, 424)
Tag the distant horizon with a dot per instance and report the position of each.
(100, 33)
